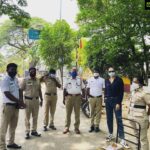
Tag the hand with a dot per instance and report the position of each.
(117, 106)
(21, 105)
(148, 125)
(83, 96)
(105, 99)
(64, 101)
(41, 103)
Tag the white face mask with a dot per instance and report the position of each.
(134, 86)
(52, 75)
(111, 74)
(96, 74)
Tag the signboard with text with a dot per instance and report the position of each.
(34, 34)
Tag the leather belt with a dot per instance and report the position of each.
(139, 106)
(30, 98)
(50, 94)
(74, 94)
(11, 104)
(95, 96)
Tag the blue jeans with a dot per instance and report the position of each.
(110, 108)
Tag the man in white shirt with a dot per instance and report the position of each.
(95, 86)
(73, 89)
(10, 109)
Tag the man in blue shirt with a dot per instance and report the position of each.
(114, 89)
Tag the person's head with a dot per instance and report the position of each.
(32, 72)
(12, 69)
(96, 73)
(52, 72)
(136, 83)
(135, 80)
(74, 72)
(111, 72)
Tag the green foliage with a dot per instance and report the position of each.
(56, 44)
(118, 31)
(14, 40)
(13, 10)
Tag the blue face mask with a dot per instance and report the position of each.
(74, 74)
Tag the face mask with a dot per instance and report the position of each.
(111, 74)
(134, 86)
(12, 74)
(32, 74)
(52, 75)
(96, 74)
(74, 74)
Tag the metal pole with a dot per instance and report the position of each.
(60, 13)
(76, 57)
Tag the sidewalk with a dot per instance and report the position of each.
(56, 140)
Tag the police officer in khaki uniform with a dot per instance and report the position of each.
(140, 99)
(32, 91)
(51, 83)
(95, 88)
(10, 108)
(72, 99)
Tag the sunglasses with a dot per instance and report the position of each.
(111, 71)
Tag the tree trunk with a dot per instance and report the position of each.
(146, 51)
(61, 74)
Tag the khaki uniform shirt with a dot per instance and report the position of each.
(141, 98)
(74, 86)
(50, 84)
(31, 87)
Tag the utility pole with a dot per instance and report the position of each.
(62, 59)
(60, 12)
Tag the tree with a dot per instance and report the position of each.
(13, 10)
(56, 44)
(118, 30)
(14, 39)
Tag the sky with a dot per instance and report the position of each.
(49, 10)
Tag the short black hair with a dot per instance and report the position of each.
(110, 66)
(32, 68)
(52, 71)
(96, 70)
(11, 65)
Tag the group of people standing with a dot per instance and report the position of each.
(26, 95)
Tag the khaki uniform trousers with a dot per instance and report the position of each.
(9, 117)
(143, 136)
(32, 107)
(95, 110)
(50, 107)
(70, 103)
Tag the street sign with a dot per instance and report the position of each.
(34, 34)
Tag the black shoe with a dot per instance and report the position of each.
(27, 136)
(91, 129)
(52, 127)
(97, 129)
(35, 133)
(77, 131)
(15, 146)
(45, 128)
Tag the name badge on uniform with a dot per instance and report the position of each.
(29, 83)
(69, 85)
